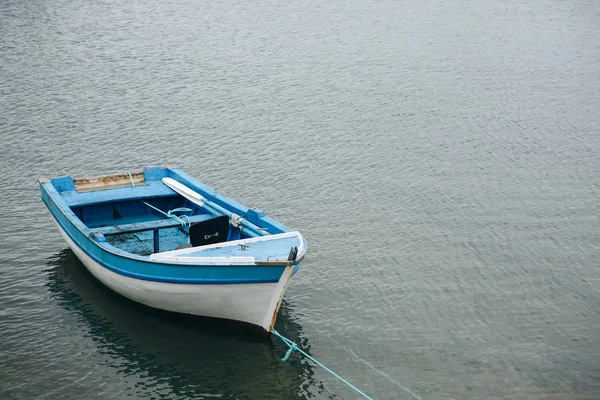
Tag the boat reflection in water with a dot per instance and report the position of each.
(194, 357)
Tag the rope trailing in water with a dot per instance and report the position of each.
(131, 179)
(294, 347)
(368, 364)
(170, 214)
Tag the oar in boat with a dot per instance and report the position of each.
(198, 199)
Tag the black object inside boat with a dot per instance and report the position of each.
(214, 230)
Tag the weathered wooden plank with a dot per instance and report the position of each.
(89, 184)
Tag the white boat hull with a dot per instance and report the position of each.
(253, 303)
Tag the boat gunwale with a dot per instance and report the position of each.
(56, 198)
(259, 239)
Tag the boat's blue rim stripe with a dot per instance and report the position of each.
(157, 279)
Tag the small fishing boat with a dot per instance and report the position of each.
(164, 239)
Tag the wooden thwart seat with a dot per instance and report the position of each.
(146, 226)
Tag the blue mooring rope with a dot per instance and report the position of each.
(294, 347)
(178, 218)
(368, 364)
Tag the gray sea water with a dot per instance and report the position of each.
(441, 158)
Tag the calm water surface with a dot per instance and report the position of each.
(441, 158)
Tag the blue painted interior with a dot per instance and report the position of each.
(132, 213)
(87, 217)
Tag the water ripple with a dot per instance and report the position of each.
(442, 160)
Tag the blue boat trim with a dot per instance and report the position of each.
(166, 280)
(140, 267)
